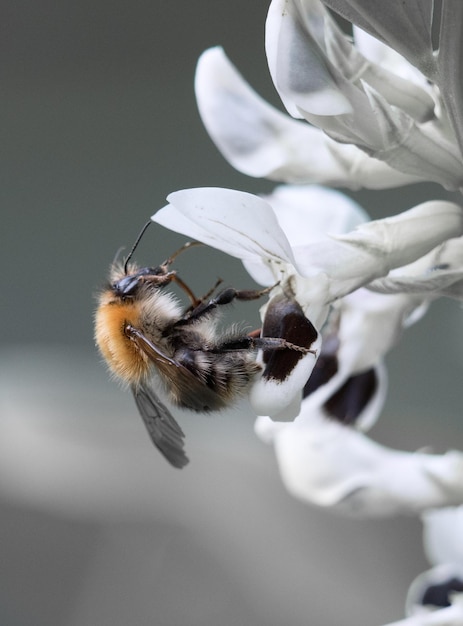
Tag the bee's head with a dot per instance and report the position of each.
(130, 282)
(129, 285)
(127, 280)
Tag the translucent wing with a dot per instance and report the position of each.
(164, 431)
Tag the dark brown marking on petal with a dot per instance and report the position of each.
(325, 367)
(285, 319)
(346, 404)
(439, 594)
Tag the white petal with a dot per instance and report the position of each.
(418, 149)
(430, 614)
(434, 576)
(404, 26)
(235, 222)
(331, 465)
(243, 126)
(378, 52)
(345, 58)
(371, 326)
(362, 329)
(442, 533)
(306, 212)
(259, 140)
(449, 61)
(335, 396)
(289, 46)
(362, 170)
(437, 283)
(374, 248)
(438, 273)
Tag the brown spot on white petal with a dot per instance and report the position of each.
(438, 594)
(285, 319)
(348, 402)
(325, 367)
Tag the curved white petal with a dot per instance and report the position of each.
(288, 45)
(334, 397)
(260, 141)
(426, 598)
(235, 222)
(330, 465)
(362, 170)
(447, 616)
(306, 213)
(378, 52)
(255, 137)
(374, 248)
(434, 576)
(405, 26)
(433, 285)
(361, 331)
(371, 324)
(418, 149)
(438, 273)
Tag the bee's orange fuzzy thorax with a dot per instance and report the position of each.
(121, 354)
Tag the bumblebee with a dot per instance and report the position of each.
(143, 332)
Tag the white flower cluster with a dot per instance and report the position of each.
(380, 109)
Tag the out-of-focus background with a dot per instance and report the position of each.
(98, 125)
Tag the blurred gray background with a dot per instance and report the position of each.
(99, 124)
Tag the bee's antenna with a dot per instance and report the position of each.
(188, 244)
(117, 255)
(134, 247)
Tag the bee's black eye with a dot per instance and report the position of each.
(128, 285)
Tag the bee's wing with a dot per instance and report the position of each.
(164, 431)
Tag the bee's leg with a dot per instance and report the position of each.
(204, 297)
(173, 275)
(194, 300)
(285, 327)
(248, 342)
(224, 297)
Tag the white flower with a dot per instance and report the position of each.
(331, 465)
(451, 615)
(260, 141)
(245, 226)
(387, 119)
(322, 457)
(408, 27)
(373, 249)
(349, 380)
(358, 102)
(304, 30)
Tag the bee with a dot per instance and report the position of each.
(144, 333)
